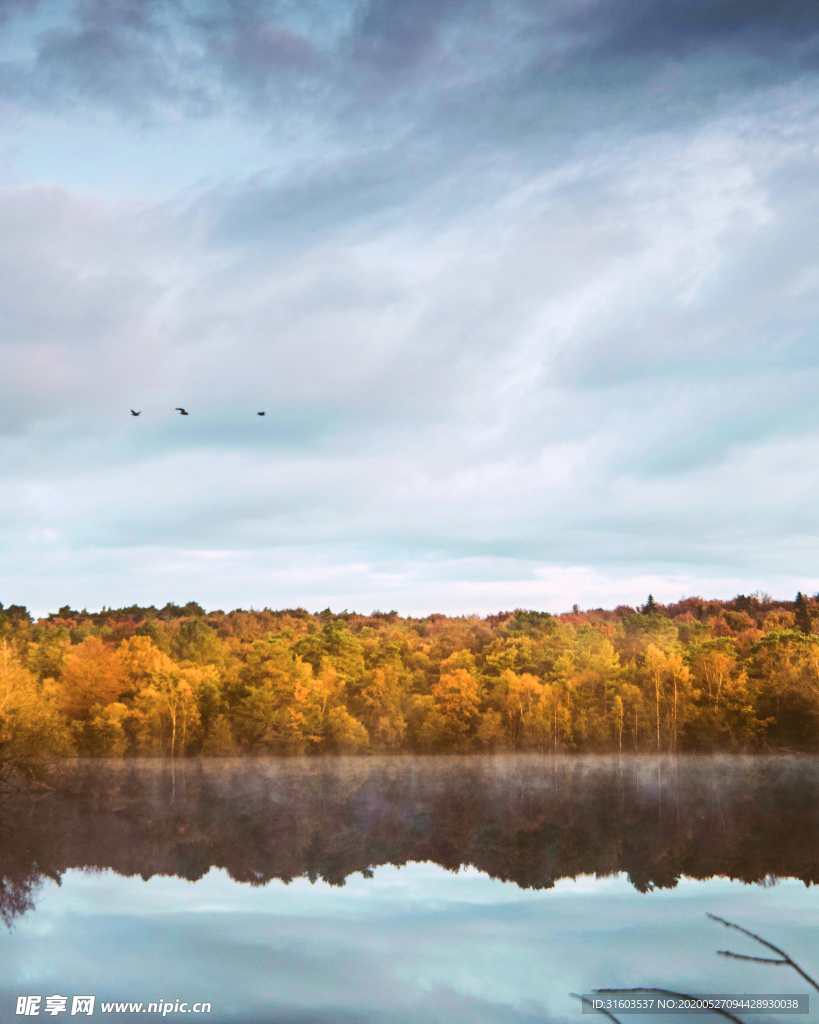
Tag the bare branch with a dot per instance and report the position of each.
(768, 945)
(751, 935)
(755, 959)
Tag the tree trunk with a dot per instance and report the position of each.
(657, 699)
(674, 740)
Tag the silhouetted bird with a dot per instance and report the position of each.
(181, 411)
(260, 414)
(135, 413)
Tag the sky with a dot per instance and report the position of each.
(527, 290)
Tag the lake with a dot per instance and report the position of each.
(405, 889)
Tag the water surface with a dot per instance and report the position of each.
(406, 889)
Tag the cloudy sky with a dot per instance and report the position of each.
(528, 290)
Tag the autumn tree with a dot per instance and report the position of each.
(344, 733)
(279, 709)
(381, 700)
(91, 674)
(669, 682)
(785, 670)
(168, 709)
(30, 723)
(524, 712)
(457, 700)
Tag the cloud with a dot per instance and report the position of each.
(377, 63)
(9, 8)
(507, 313)
(774, 30)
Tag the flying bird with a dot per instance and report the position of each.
(260, 414)
(181, 411)
(135, 413)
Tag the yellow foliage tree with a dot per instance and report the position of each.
(170, 716)
(669, 680)
(30, 723)
(457, 699)
(382, 701)
(345, 733)
(280, 707)
(524, 711)
(91, 674)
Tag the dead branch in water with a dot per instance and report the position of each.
(784, 958)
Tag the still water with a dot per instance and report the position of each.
(412, 890)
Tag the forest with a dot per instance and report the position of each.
(739, 675)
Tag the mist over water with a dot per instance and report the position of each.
(406, 889)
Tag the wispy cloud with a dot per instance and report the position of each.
(523, 289)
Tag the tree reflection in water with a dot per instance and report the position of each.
(525, 819)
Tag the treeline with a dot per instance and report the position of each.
(694, 676)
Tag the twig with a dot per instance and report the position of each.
(676, 995)
(596, 1009)
(754, 959)
(785, 959)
